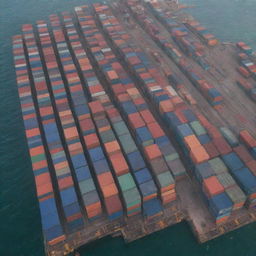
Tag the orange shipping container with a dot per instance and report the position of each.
(212, 186)
(105, 179)
(91, 141)
(247, 139)
(252, 166)
(119, 163)
(166, 106)
(112, 147)
(152, 152)
(192, 142)
(199, 155)
(109, 190)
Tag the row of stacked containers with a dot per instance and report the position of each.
(178, 32)
(50, 218)
(118, 138)
(70, 205)
(148, 134)
(218, 163)
(89, 146)
(247, 69)
(187, 45)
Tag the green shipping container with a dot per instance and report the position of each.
(226, 180)
(131, 197)
(126, 182)
(86, 186)
(229, 136)
(218, 165)
(164, 179)
(127, 143)
(38, 158)
(120, 128)
(107, 136)
(171, 157)
(236, 194)
(198, 128)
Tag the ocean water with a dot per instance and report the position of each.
(20, 229)
(229, 20)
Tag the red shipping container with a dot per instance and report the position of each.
(96, 107)
(252, 166)
(147, 116)
(243, 153)
(247, 139)
(211, 150)
(136, 120)
(152, 152)
(155, 130)
(119, 164)
(212, 186)
(222, 146)
(113, 204)
(91, 141)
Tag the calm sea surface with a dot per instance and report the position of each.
(20, 232)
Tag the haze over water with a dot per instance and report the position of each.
(20, 228)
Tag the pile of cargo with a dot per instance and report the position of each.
(123, 140)
(152, 28)
(248, 88)
(200, 140)
(202, 32)
(160, 154)
(209, 91)
(51, 225)
(162, 15)
(250, 143)
(242, 46)
(248, 66)
(54, 136)
(178, 32)
(99, 153)
(191, 48)
(126, 183)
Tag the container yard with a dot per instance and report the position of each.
(136, 118)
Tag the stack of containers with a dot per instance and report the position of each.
(148, 24)
(213, 95)
(248, 88)
(102, 169)
(192, 48)
(244, 48)
(131, 195)
(98, 160)
(69, 200)
(249, 141)
(197, 28)
(170, 24)
(148, 133)
(162, 16)
(189, 135)
(90, 196)
(137, 164)
(179, 33)
(50, 219)
(244, 72)
(95, 88)
(248, 66)
(141, 174)
(243, 176)
(129, 191)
